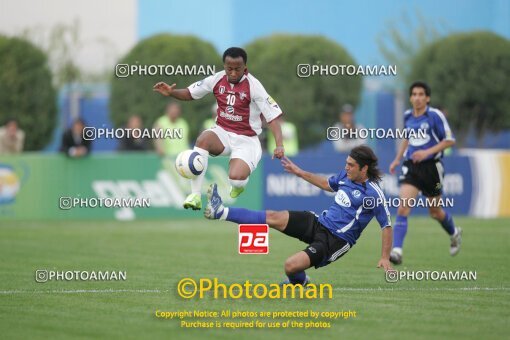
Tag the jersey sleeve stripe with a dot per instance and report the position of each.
(383, 198)
(446, 126)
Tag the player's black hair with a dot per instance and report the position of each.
(363, 155)
(421, 84)
(235, 52)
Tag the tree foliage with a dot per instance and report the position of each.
(402, 40)
(134, 94)
(26, 90)
(311, 103)
(468, 74)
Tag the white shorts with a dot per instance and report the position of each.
(243, 147)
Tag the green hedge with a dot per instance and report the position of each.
(134, 95)
(469, 75)
(311, 103)
(26, 91)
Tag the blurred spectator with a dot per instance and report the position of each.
(290, 138)
(172, 120)
(210, 122)
(11, 138)
(346, 121)
(131, 143)
(73, 143)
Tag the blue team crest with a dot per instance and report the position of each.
(342, 199)
(424, 126)
(356, 193)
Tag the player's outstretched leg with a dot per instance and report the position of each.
(215, 210)
(295, 265)
(194, 200)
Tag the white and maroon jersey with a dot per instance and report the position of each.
(239, 105)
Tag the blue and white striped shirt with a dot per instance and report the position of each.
(354, 207)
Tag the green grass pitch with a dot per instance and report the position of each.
(157, 254)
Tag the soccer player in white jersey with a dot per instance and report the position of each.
(241, 101)
(331, 234)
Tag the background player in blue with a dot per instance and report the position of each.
(358, 199)
(422, 169)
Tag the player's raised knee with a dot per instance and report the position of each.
(238, 176)
(202, 142)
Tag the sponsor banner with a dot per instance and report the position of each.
(491, 182)
(33, 186)
(285, 191)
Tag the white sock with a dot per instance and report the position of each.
(238, 183)
(223, 216)
(397, 250)
(455, 233)
(196, 183)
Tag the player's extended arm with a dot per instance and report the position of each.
(170, 90)
(420, 155)
(276, 128)
(399, 156)
(318, 181)
(387, 237)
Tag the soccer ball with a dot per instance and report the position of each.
(189, 164)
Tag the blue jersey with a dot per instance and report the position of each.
(434, 124)
(354, 207)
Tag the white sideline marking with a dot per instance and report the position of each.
(79, 291)
(145, 291)
(421, 289)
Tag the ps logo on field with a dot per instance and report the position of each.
(253, 239)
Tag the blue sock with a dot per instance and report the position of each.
(447, 224)
(245, 216)
(400, 231)
(297, 278)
